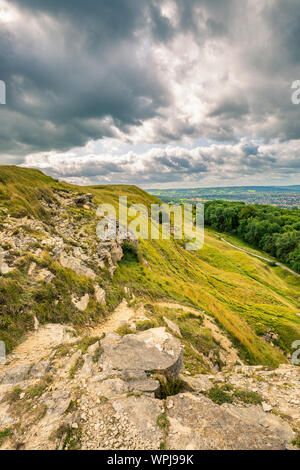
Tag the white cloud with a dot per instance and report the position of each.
(216, 164)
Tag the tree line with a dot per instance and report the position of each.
(271, 229)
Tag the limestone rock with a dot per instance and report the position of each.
(150, 350)
(57, 403)
(198, 383)
(198, 423)
(100, 294)
(70, 262)
(39, 369)
(110, 388)
(15, 374)
(145, 386)
(82, 303)
(84, 200)
(255, 415)
(142, 413)
(266, 406)
(173, 327)
(45, 275)
(4, 268)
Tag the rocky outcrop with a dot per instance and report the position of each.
(84, 200)
(110, 396)
(75, 264)
(198, 423)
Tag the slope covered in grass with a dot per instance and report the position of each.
(245, 295)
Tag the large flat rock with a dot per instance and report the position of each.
(198, 423)
(150, 350)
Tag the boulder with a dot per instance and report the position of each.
(82, 303)
(15, 374)
(151, 350)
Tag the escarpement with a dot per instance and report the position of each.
(115, 344)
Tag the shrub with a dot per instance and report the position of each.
(169, 386)
(130, 252)
(124, 330)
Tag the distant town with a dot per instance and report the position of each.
(281, 196)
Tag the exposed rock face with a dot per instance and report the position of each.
(85, 200)
(198, 423)
(107, 393)
(280, 388)
(255, 415)
(141, 414)
(70, 262)
(15, 374)
(198, 383)
(68, 243)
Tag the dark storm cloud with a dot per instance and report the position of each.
(79, 66)
(234, 108)
(79, 70)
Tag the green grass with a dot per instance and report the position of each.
(296, 442)
(71, 437)
(228, 394)
(5, 434)
(169, 386)
(76, 367)
(243, 295)
(163, 422)
(124, 330)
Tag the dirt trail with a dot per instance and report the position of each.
(39, 344)
(121, 315)
(231, 353)
(260, 257)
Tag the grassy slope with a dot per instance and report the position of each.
(245, 295)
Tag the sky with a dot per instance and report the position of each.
(158, 93)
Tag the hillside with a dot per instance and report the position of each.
(62, 290)
(244, 295)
